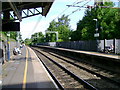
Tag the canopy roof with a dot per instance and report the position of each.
(18, 8)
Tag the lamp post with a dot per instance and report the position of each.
(96, 25)
(96, 33)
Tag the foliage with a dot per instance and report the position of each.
(62, 27)
(27, 41)
(13, 35)
(108, 21)
(37, 37)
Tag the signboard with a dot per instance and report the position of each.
(96, 35)
(11, 26)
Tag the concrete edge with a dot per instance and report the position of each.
(44, 68)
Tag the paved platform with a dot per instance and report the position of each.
(26, 71)
(84, 52)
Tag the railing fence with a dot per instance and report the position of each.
(91, 45)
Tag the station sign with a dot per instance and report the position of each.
(11, 26)
(96, 35)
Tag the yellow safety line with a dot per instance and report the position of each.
(25, 71)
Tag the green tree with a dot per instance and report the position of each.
(13, 35)
(108, 23)
(28, 41)
(41, 37)
(37, 37)
(63, 28)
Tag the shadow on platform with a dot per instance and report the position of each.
(30, 86)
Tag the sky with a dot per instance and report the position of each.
(40, 23)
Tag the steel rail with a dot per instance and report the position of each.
(86, 84)
(92, 72)
(52, 75)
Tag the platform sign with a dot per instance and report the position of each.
(96, 35)
(11, 26)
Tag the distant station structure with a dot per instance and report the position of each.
(12, 11)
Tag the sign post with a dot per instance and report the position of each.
(8, 46)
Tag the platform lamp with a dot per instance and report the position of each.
(96, 33)
(8, 46)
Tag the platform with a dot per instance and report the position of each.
(104, 55)
(26, 71)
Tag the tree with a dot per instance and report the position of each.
(13, 35)
(52, 26)
(28, 41)
(37, 37)
(63, 28)
(41, 37)
(108, 23)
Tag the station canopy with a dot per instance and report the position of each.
(18, 10)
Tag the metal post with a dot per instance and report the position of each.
(104, 44)
(96, 34)
(8, 46)
(56, 36)
(17, 39)
(114, 45)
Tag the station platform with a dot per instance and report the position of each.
(26, 71)
(104, 55)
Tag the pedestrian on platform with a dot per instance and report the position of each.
(19, 51)
(15, 51)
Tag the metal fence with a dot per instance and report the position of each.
(91, 45)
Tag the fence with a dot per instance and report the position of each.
(3, 46)
(91, 45)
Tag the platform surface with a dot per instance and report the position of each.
(86, 52)
(26, 71)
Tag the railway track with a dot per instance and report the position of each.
(63, 77)
(100, 72)
(95, 80)
(94, 69)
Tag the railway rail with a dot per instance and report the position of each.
(92, 76)
(63, 77)
(92, 68)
